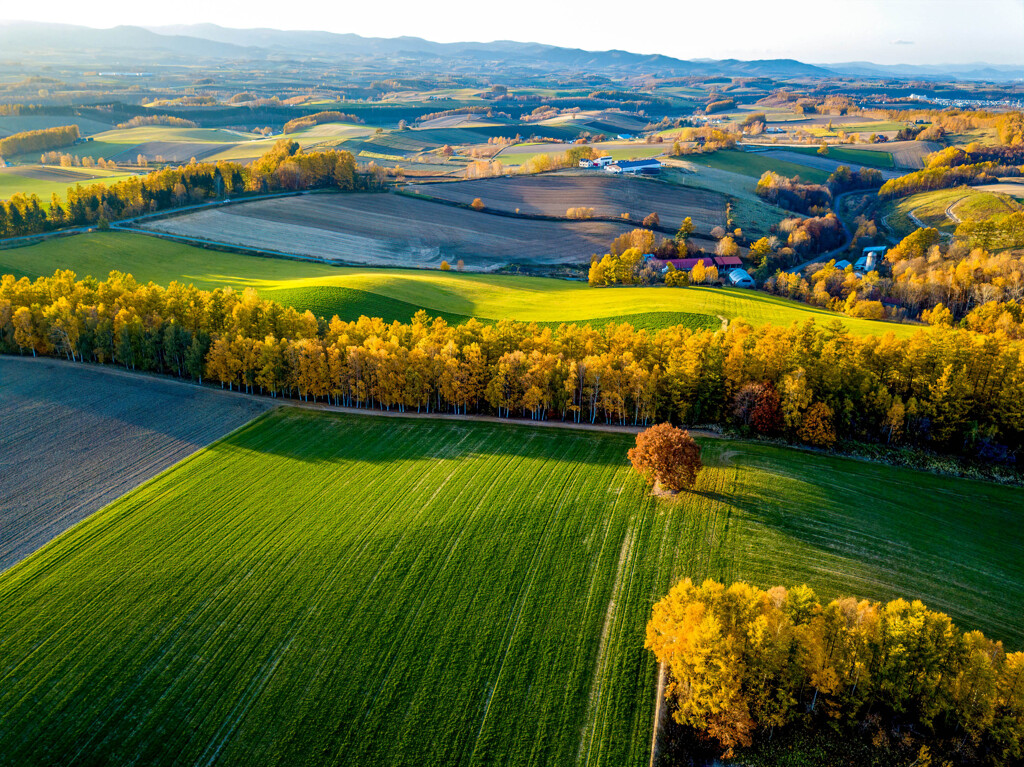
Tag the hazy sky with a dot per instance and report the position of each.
(883, 31)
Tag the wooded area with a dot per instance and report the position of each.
(949, 390)
(285, 168)
(744, 662)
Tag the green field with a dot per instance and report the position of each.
(434, 593)
(18, 180)
(485, 296)
(867, 157)
(930, 209)
(754, 165)
(618, 150)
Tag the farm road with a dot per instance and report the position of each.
(74, 438)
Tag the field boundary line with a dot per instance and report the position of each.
(658, 703)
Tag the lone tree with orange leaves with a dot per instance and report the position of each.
(667, 456)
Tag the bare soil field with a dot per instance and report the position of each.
(76, 437)
(906, 154)
(1010, 186)
(551, 195)
(392, 230)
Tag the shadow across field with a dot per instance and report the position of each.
(75, 437)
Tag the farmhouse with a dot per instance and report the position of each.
(597, 162)
(869, 257)
(647, 167)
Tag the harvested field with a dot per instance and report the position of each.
(1011, 187)
(321, 589)
(392, 230)
(552, 194)
(905, 154)
(77, 437)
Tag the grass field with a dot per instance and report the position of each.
(930, 209)
(754, 165)
(430, 593)
(618, 150)
(484, 296)
(45, 180)
(848, 154)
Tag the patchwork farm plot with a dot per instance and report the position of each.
(433, 593)
(385, 229)
(350, 292)
(552, 194)
(76, 438)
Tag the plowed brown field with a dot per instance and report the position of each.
(551, 195)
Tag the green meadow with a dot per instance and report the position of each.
(437, 593)
(397, 293)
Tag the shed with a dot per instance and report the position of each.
(731, 262)
(635, 166)
(740, 279)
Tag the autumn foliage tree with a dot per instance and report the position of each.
(744, 662)
(667, 456)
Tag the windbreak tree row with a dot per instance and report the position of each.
(949, 390)
(283, 169)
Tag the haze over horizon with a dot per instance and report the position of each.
(911, 32)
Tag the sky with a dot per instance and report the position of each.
(817, 31)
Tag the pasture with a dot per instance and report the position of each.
(47, 180)
(850, 155)
(944, 209)
(437, 593)
(328, 289)
(754, 165)
(517, 154)
(552, 194)
(65, 456)
(392, 230)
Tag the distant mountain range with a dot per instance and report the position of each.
(139, 45)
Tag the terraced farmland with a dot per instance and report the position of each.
(392, 230)
(62, 457)
(434, 593)
(485, 296)
(552, 194)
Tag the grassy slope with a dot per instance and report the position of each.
(754, 165)
(12, 183)
(930, 208)
(484, 296)
(868, 157)
(430, 593)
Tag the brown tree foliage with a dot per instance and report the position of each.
(668, 456)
